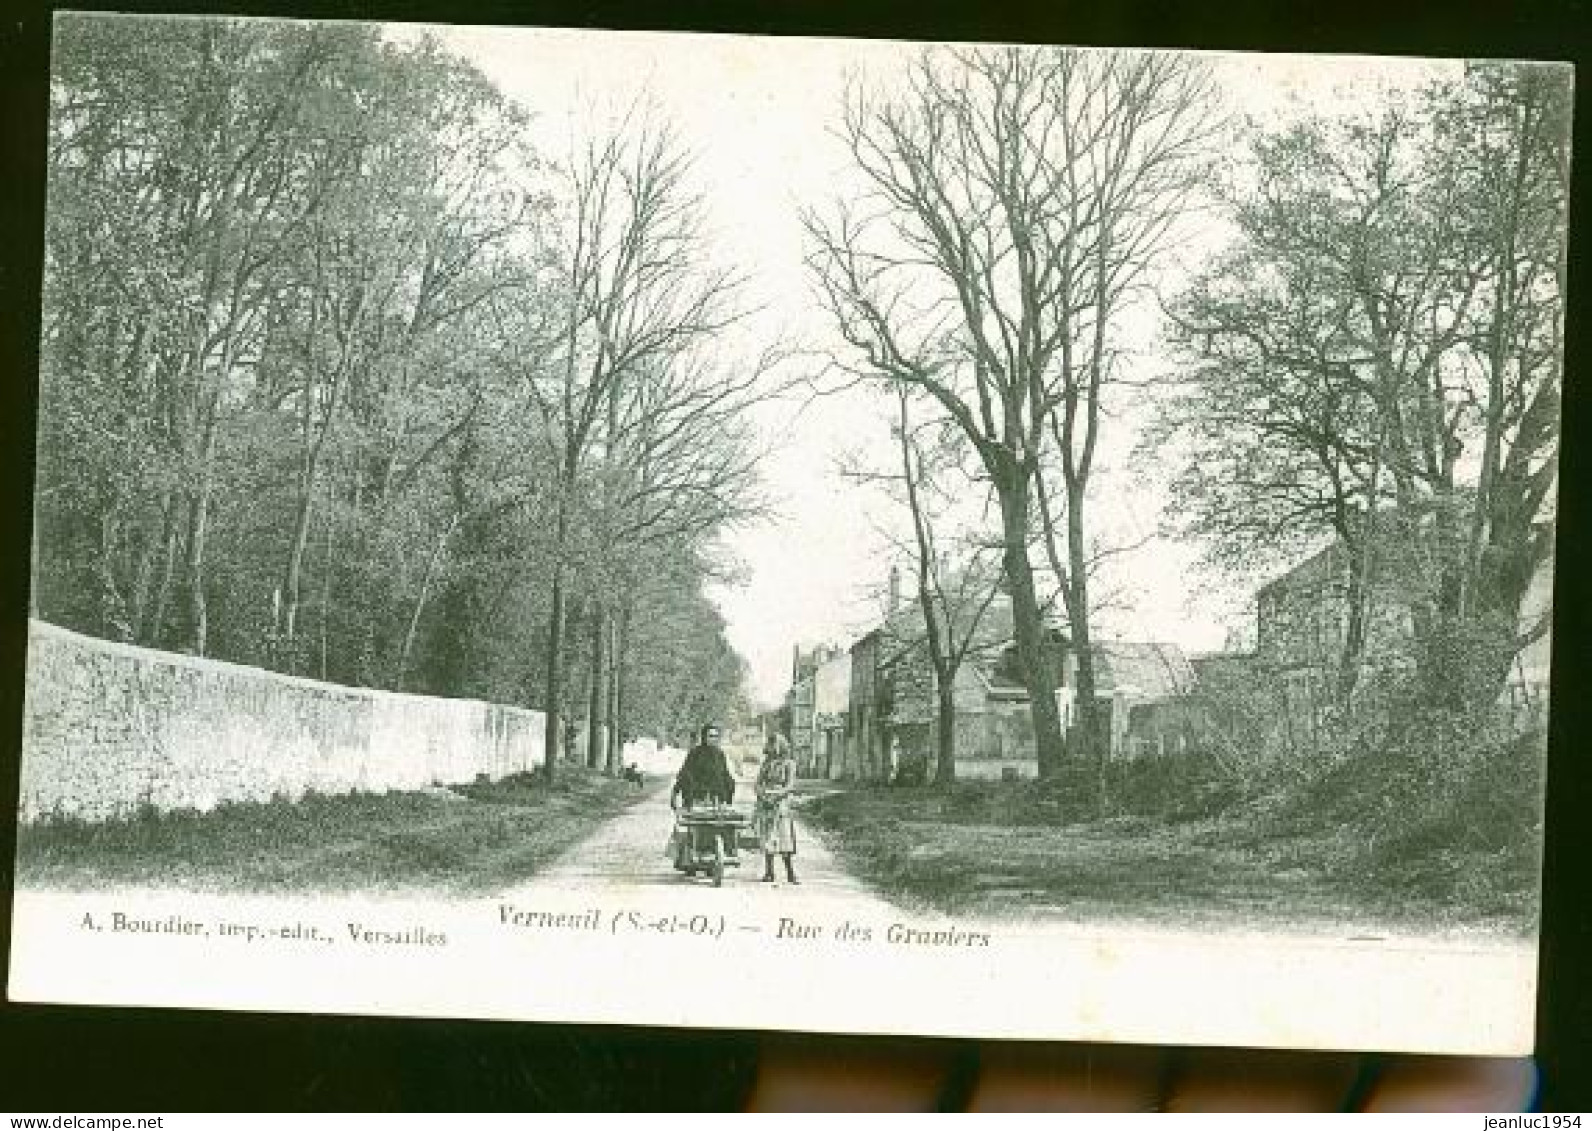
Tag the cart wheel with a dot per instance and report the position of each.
(718, 865)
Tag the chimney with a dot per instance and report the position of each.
(895, 588)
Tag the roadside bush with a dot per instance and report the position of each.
(1446, 807)
(1466, 826)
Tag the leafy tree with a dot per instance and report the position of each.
(312, 309)
(1375, 360)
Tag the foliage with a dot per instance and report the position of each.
(1183, 843)
(276, 423)
(1374, 363)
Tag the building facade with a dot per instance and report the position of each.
(831, 708)
(1302, 626)
(865, 756)
(874, 709)
(802, 706)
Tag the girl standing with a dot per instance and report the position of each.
(776, 827)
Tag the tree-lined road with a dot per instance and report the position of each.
(626, 856)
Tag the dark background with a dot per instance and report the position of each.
(56, 1059)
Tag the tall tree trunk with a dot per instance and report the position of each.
(141, 365)
(152, 622)
(309, 470)
(1357, 598)
(552, 704)
(199, 525)
(1094, 739)
(597, 693)
(616, 689)
(1500, 346)
(1013, 486)
(292, 577)
(207, 393)
(944, 675)
(432, 562)
(115, 614)
(1443, 651)
(936, 627)
(326, 596)
(292, 581)
(450, 643)
(198, 636)
(1507, 547)
(945, 732)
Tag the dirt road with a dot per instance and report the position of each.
(627, 855)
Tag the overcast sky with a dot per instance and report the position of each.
(757, 113)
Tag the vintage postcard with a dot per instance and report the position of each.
(831, 535)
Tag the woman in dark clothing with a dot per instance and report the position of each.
(705, 778)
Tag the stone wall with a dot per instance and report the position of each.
(110, 729)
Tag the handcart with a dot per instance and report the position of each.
(707, 839)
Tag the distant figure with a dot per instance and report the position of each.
(776, 828)
(704, 778)
(633, 775)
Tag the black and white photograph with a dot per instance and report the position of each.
(836, 535)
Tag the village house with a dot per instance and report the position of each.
(865, 755)
(1302, 622)
(831, 704)
(869, 712)
(802, 706)
(799, 712)
(891, 701)
(994, 732)
(1143, 690)
(1301, 625)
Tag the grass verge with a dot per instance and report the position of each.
(1180, 851)
(466, 840)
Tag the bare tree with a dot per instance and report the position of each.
(1015, 199)
(1135, 162)
(681, 468)
(633, 291)
(950, 558)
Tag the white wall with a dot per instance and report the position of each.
(110, 729)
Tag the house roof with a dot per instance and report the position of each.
(1152, 671)
(1203, 662)
(902, 633)
(1397, 545)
